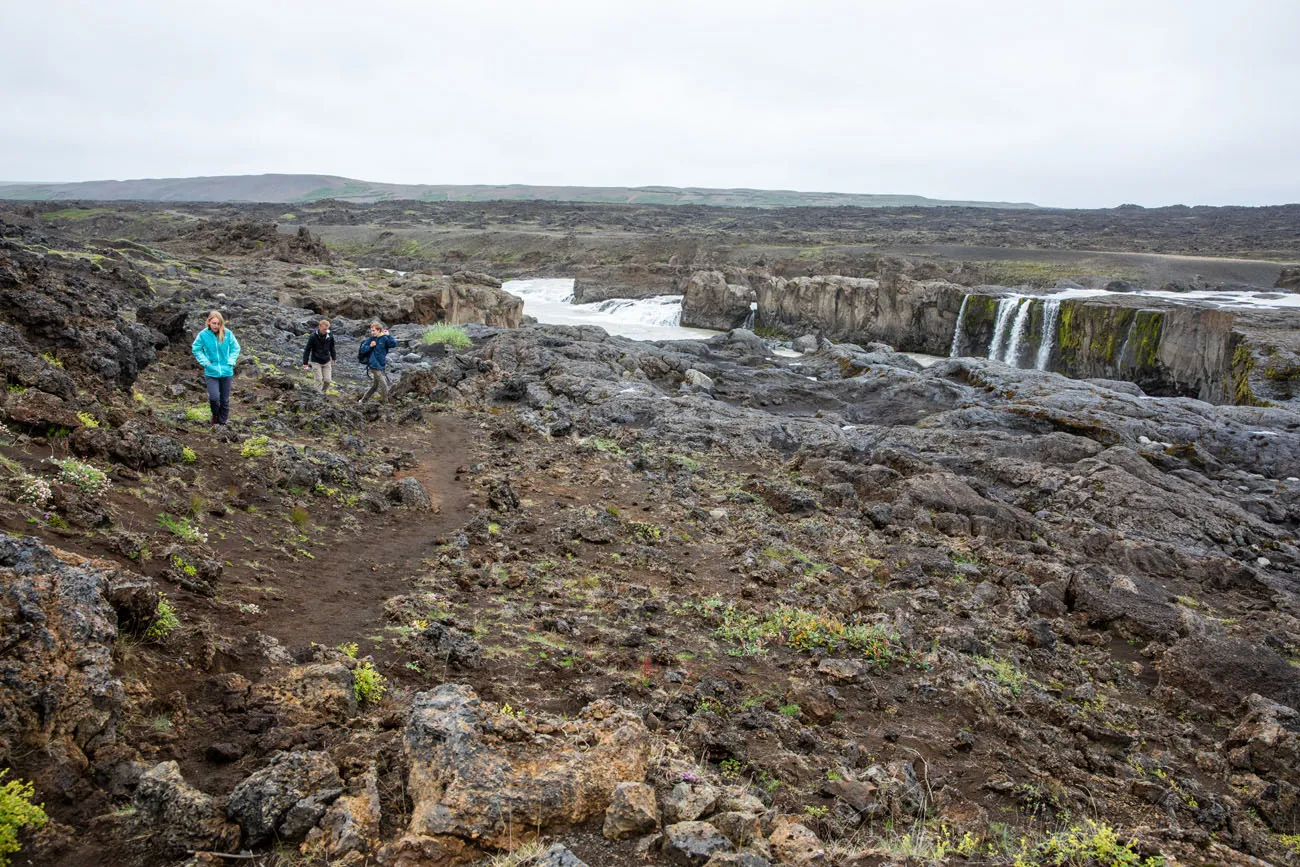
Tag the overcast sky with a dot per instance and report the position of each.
(1079, 104)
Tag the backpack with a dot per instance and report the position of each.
(363, 351)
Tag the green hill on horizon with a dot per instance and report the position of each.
(290, 189)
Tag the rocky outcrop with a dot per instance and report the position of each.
(69, 313)
(484, 777)
(58, 691)
(247, 237)
(709, 301)
(465, 297)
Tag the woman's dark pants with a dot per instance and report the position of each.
(219, 397)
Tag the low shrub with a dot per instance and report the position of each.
(368, 684)
(165, 620)
(255, 447)
(16, 812)
(88, 478)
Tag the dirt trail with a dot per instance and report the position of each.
(339, 596)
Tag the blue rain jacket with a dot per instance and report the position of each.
(218, 359)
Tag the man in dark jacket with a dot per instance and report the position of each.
(374, 351)
(320, 352)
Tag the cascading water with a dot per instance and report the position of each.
(956, 333)
(658, 318)
(1006, 307)
(749, 320)
(1051, 312)
(1012, 354)
(661, 311)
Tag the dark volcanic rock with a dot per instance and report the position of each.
(57, 687)
(291, 786)
(1221, 671)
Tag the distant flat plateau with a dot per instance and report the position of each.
(290, 188)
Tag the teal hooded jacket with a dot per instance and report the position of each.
(218, 359)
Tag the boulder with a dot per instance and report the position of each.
(691, 844)
(176, 817)
(410, 493)
(1221, 671)
(130, 445)
(689, 801)
(294, 787)
(633, 811)
(794, 844)
(351, 823)
(307, 694)
(1267, 740)
(559, 855)
(483, 776)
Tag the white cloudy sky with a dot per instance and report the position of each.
(1082, 104)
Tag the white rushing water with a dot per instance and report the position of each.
(549, 302)
(1006, 308)
(956, 332)
(1012, 355)
(1051, 312)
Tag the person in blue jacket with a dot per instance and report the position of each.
(217, 350)
(374, 352)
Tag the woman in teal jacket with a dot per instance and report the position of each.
(217, 350)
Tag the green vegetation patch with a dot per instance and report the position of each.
(16, 812)
(75, 214)
(798, 629)
(451, 335)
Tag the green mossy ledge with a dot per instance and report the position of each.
(1166, 352)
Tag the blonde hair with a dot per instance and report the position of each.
(221, 324)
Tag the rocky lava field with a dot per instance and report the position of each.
(573, 599)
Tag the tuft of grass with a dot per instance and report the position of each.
(1005, 673)
(452, 335)
(198, 413)
(87, 420)
(188, 455)
(298, 516)
(181, 528)
(799, 629)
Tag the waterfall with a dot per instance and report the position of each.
(1012, 355)
(1051, 312)
(749, 320)
(1123, 347)
(956, 332)
(1006, 307)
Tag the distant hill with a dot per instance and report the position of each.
(311, 188)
